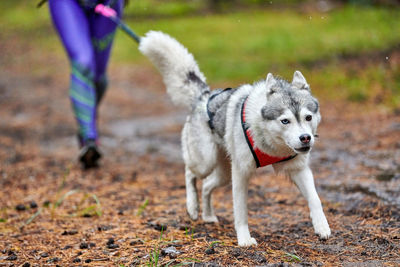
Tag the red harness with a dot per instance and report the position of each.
(262, 159)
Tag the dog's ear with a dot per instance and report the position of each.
(270, 82)
(299, 81)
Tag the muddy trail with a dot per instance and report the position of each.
(131, 211)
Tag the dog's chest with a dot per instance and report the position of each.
(216, 109)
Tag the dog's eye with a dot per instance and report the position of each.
(308, 118)
(285, 121)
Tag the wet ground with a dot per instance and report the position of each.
(131, 211)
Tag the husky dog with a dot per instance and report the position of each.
(231, 132)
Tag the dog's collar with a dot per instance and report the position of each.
(262, 159)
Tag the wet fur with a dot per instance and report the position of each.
(221, 155)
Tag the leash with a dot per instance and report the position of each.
(110, 13)
(41, 3)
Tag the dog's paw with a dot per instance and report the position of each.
(247, 242)
(243, 236)
(321, 227)
(192, 208)
(210, 219)
(193, 214)
(323, 231)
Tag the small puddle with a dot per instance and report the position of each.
(149, 135)
(373, 173)
(366, 189)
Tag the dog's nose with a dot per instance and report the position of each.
(305, 138)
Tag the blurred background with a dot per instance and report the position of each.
(348, 50)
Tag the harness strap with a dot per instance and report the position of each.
(262, 159)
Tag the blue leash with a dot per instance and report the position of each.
(112, 14)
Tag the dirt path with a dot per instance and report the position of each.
(114, 215)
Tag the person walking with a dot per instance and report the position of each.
(87, 38)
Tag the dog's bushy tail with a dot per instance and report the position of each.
(181, 74)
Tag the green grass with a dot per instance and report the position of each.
(379, 83)
(142, 208)
(292, 257)
(244, 46)
(143, 8)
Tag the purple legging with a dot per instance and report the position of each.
(87, 38)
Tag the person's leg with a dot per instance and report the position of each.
(103, 31)
(72, 25)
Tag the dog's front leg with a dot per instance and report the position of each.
(305, 182)
(240, 182)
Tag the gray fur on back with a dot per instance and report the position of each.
(217, 105)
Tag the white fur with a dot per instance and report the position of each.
(217, 161)
(165, 52)
(299, 80)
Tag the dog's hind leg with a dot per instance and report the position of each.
(199, 154)
(219, 177)
(192, 200)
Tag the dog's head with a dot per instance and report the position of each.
(290, 114)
